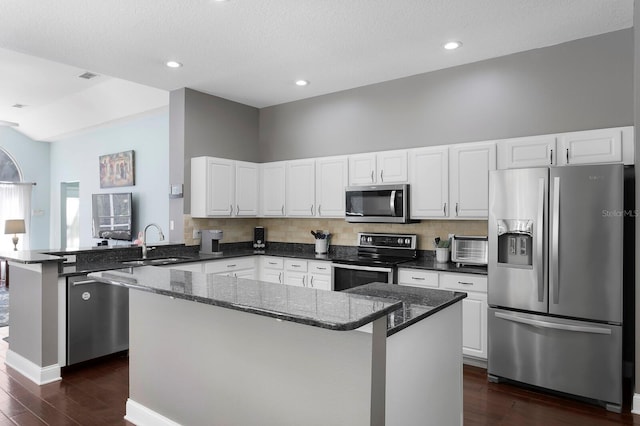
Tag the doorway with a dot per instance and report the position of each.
(69, 215)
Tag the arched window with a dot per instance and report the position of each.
(9, 171)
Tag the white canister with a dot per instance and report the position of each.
(442, 254)
(321, 245)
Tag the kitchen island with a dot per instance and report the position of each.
(209, 349)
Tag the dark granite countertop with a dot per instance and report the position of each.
(430, 263)
(417, 303)
(320, 308)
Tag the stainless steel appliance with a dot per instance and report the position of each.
(376, 260)
(377, 203)
(97, 319)
(469, 250)
(556, 279)
(210, 241)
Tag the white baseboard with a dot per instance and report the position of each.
(635, 408)
(35, 373)
(140, 415)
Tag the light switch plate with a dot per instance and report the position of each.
(197, 234)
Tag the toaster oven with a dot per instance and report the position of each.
(469, 250)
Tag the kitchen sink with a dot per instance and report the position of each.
(155, 261)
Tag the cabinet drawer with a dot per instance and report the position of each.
(272, 262)
(417, 277)
(295, 265)
(464, 282)
(233, 264)
(323, 268)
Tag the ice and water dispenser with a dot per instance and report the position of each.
(515, 242)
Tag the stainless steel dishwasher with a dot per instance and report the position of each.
(97, 319)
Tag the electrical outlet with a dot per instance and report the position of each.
(197, 234)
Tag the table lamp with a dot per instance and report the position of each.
(15, 227)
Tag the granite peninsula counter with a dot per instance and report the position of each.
(209, 349)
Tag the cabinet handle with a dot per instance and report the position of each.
(311, 282)
(319, 209)
(230, 209)
(444, 209)
(282, 210)
(271, 263)
(464, 283)
(418, 278)
(567, 155)
(231, 266)
(295, 266)
(237, 209)
(280, 277)
(551, 160)
(321, 268)
(304, 284)
(381, 178)
(371, 176)
(311, 209)
(456, 209)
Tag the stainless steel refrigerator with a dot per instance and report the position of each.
(556, 279)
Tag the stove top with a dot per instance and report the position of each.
(386, 250)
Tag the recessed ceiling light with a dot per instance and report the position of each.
(173, 64)
(302, 83)
(452, 45)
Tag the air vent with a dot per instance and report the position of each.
(88, 75)
(19, 106)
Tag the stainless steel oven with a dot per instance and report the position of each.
(376, 260)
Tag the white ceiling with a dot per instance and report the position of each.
(252, 51)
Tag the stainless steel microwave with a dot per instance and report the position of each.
(377, 203)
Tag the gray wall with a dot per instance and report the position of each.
(579, 85)
(177, 161)
(216, 127)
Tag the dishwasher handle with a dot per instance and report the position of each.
(83, 282)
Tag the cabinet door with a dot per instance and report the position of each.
(474, 325)
(220, 187)
(392, 166)
(301, 188)
(417, 278)
(273, 189)
(298, 279)
(320, 282)
(246, 190)
(248, 274)
(429, 178)
(331, 179)
(362, 169)
(469, 167)
(527, 152)
(591, 146)
(271, 276)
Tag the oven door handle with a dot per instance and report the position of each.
(362, 268)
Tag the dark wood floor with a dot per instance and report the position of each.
(95, 394)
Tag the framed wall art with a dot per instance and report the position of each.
(117, 170)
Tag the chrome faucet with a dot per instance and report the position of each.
(144, 238)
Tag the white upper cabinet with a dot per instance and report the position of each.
(378, 168)
(212, 187)
(362, 169)
(331, 178)
(392, 167)
(532, 151)
(272, 190)
(301, 188)
(246, 189)
(469, 166)
(429, 178)
(596, 146)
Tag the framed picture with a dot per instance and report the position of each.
(117, 170)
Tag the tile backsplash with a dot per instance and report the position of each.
(343, 233)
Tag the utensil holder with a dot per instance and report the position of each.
(442, 254)
(321, 246)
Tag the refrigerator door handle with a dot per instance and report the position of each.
(555, 234)
(553, 325)
(540, 241)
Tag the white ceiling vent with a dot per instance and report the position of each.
(88, 75)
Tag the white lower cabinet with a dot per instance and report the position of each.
(239, 267)
(272, 269)
(303, 273)
(474, 306)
